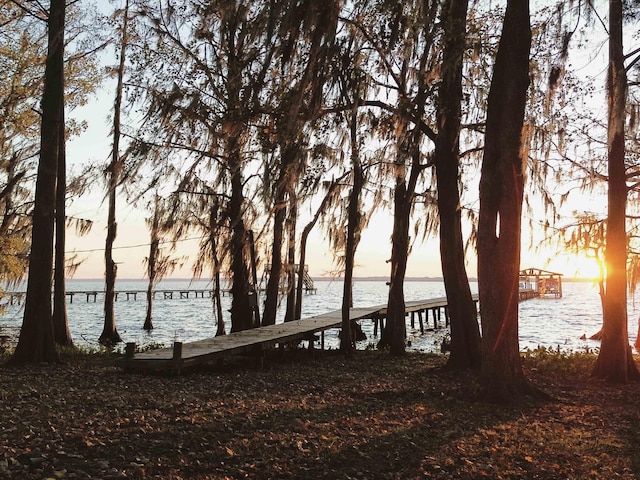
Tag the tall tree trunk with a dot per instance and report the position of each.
(37, 342)
(615, 360)
(152, 264)
(501, 194)
(275, 272)
(465, 333)
(220, 327)
(292, 219)
(254, 291)
(151, 271)
(61, 330)
(347, 340)
(395, 331)
(241, 311)
(303, 258)
(213, 241)
(110, 334)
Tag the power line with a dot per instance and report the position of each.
(135, 246)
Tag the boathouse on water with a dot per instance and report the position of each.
(541, 283)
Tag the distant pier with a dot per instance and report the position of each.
(91, 296)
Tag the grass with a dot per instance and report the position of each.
(365, 416)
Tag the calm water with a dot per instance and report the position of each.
(543, 322)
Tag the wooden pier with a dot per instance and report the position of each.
(439, 308)
(181, 356)
(91, 296)
(133, 294)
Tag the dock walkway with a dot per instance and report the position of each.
(190, 354)
(205, 351)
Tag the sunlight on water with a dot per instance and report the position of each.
(552, 323)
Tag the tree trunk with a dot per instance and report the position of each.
(501, 194)
(37, 342)
(399, 256)
(615, 361)
(241, 312)
(465, 334)
(151, 270)
(275, 272)
(394, 332)
(148, 318)
(601, 292)
(213, 232)
(292, 219)
(60, 321)
(300, 279)
(152, 264)
(220, 327)
(347, 340)
(254, 291)
(110, 334)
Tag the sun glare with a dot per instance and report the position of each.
(586, 267)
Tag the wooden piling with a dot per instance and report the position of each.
(177, 350)
(129, 350)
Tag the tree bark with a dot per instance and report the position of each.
(152, 264)
(37, 342)
(394, 332)
(241, 312)
(615, 361)
(399, 256)
(501, 194)
(110, 334)
(465, 333)
(213, 232)
(347, 340)
(61, 330)
(292, 220)
(303, 257)
(275, 272)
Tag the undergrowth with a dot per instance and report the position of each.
(555, 360)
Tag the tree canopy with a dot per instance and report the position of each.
(246, 119)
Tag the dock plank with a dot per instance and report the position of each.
(210, 349)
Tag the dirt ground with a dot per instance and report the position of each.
(368, 416)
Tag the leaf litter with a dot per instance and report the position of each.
(366, 416)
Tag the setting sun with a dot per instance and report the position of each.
(584, 267)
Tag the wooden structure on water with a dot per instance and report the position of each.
(537, 283)
(133, 294)
(185, 355)
(16, 298)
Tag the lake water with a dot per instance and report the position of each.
(548, 322)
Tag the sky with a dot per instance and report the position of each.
(131, 245)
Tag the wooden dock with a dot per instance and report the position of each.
(181, 356)
(91, 296)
